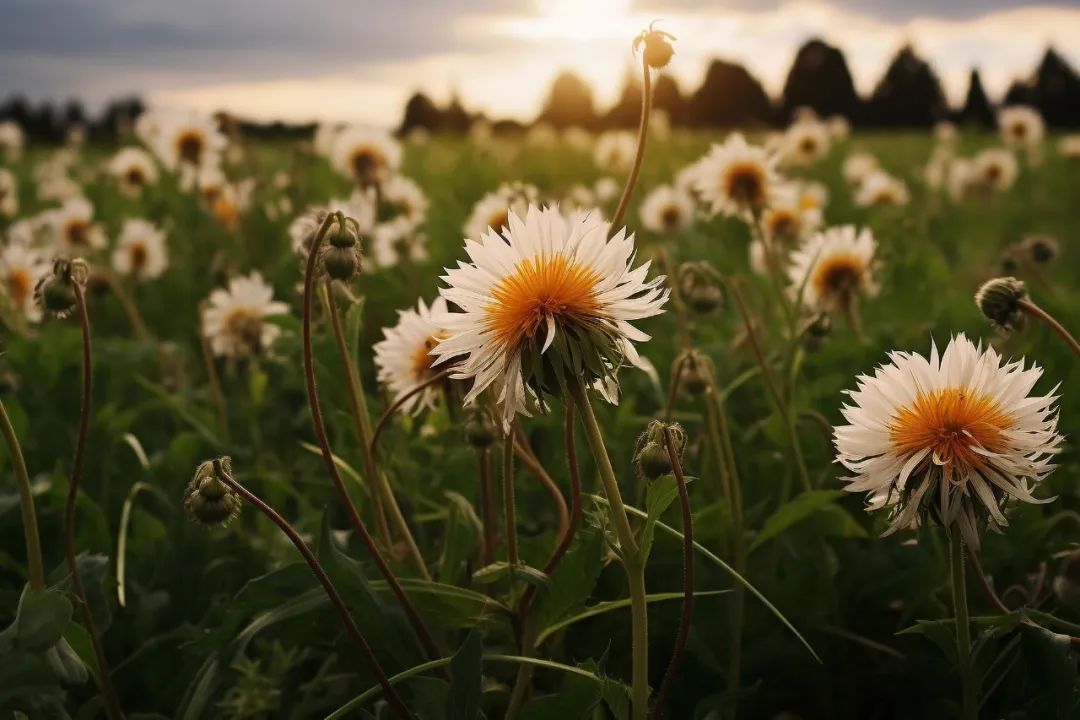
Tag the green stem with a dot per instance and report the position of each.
(509, 509)
(630, 552)
(643, 134)
(969, 703)
(36, 570)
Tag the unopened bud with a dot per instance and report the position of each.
(701, 287)
(480, 430)
(817, 332)
(208, 499)
(999, 300)
(1041, 248)
(55, 291)
(658, 49)
(651, 457)
(340, 254)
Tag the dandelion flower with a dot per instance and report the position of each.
(403, 198)
(365, 155)
(1069, 146)
(667, 210)
(73, 229)
(879, 189)
(11, 140)
(806, 142)
(133, 169)
(140, 250)
(737, 178)
(615, 151)
(994, 169)
(857, 166)
(839, 127)
(21, 267)
(1021, 126)
(403, 357)
(789, 219)
(234, 321)
(493, 210)
(548, 299)
(833, 267)
(9, 194)
(188, 139)
(956, 435)
(945, 132)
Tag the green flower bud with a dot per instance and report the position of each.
(480, 431)
(658, 49)
(999, 300)
(207, 499)
(817, 332)
(651, 458)
(55, 292)
(1041, 248)
(701, 287)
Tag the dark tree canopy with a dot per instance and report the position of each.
(977, 109)
(1056, 91)
(729, 96)
(627, 109)
(909, 95)
(421, 112)
(819, 79)
(668, 97)
(569, 103)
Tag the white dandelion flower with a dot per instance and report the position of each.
(9, 193)
(548, 298)
(857, 166)
(72, 228)
(956, 434)
(736, 178)
(133, 169)
(833, 267)
(403, 357)
(11, 140)
(615, 151)
(140, 250)
(403, 198)
(1069, 147)
(880, 189)
(667, 210)
(1021, 126)
(994, 169)
(805, 142)
(493, 210)
(21, 267)
(234, 320)
(365, 155)
(192, 139)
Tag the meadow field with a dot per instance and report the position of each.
(801, 608)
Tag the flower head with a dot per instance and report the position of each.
(403, 358)
(857, 166)
(615, 151)
(207, 499)
(651, 457)
(736, 178)
(73, 229)
(999, 300)
(365, 155)
(55, 291)
(657, 44)
(1021, 126)
(234, 320)
(549, 300)
(956, 435)
(9, 193)
(133, 169)
(11, 140)
(187, 139)
(21, 267)
(806, 142)
(994, 169)
(140, 250)
(833, 267)
(492, 212)
(667, 210)
(879, 189)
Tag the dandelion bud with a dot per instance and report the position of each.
(701, 287)
(1041, 248)
(650, 451)
(658, 49)
(208, 500)
(340, 256)
(817, 332)
(479, 429)
(55, 292)
(696, 374)
(999, 300)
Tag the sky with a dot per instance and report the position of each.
(359, 60)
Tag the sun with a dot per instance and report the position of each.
(579, 19)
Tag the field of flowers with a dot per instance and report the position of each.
(760, 454)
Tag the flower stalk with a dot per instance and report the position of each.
(643, 134)
(1033, 310)
(34, 565)
(968, 698)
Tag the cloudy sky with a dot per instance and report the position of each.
(359, 59)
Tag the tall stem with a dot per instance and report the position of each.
(1037, 312)
(509, 506)
(328, 457)
(687, 615)
(969, 704)
(643, 134)
(35, 568)
(112, 701)
(630, 552)
(483, 458)
(382, 529)
(327, 585)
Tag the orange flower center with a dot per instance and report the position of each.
(139, 256)
(77, 233)
(671, 217)
(837, 276)
(540, 290)
(808, 146)
(135, 177)
(226, 212)
(950, 423)
(808, 202)
(244, 325)
(422, 358)
(366, 161)
(744, 182)
(189, 146)
(19, 286)
(499, 220)
(782, 225)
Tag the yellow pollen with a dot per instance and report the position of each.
(950, 423)
(540, 288)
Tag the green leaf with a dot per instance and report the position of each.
(795, 510)
(498, 570)
(608, 606)
(658, 497)
(1047, 657)
(574, 578)
(40, 619)
(466, 668)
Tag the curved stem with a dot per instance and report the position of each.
(112, 701)
(387, 416)
(526, 455)
(679, 649)
(327, 585)
(1037, 312)
(629, 551)
(643, 133)
(34, 565)
(973, 561)
(969, 703)
(359, 413)
(328, 457)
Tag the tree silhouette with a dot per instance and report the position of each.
(819, 79)
(668, 97)
(420, 112)
(569, 103)
(909, 95)
(1057, 90)
(977, 109)
(729, 96)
